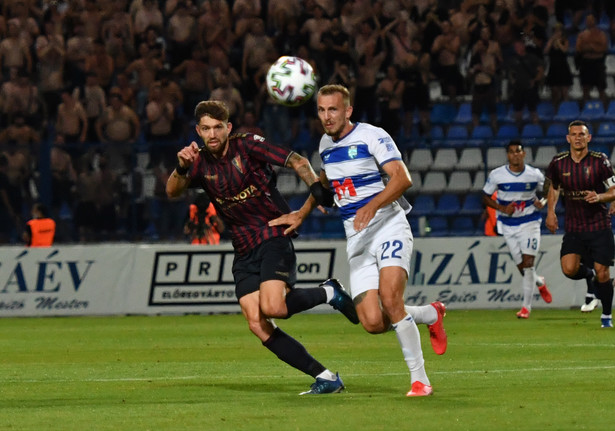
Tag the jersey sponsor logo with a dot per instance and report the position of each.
(243, 195)
(574, 194)
(344, 188)
(258, 138)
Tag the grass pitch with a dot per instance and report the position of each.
(552, 372)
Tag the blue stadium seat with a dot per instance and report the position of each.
(545, 111)
(462, 226)
(457, 132)
(568, 111)
(532, 134)
(464, 114)
(501, 112)
(481, 135)
(443, 113)
(556, 134)
(472, 205)
(436, 132)
(448, 205)
(592, 111)
(456, 136)
(600, 147)
(423, 205)
(507, 132)
(604, 134)
(438, 226)
(482, 131)
(610, 110)
(606, 129)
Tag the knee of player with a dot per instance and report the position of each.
(570, 271)
(374, 323)
(274, 309)
(603, 274)
(373, 328)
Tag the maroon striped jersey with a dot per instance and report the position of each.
(242, 187)
(593, 172)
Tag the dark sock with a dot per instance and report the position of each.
(300, 299)
(583, 272)
(604, 292)
(591, 290)
(293, 353)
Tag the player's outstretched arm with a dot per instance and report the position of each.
(178, 181)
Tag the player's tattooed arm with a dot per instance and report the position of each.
(302, 167)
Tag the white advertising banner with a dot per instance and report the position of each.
(64, 281)
(475, 272)
(478, 272)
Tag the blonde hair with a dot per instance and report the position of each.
(330, 89)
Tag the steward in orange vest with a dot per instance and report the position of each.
(491, 219)
(41, 230)
(203, 225)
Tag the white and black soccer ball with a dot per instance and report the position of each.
(291, 81)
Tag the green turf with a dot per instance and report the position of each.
(552, 372)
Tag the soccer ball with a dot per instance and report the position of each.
(291, 81)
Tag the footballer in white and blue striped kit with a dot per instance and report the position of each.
(355, 159)
(353, 169)
(518, 218)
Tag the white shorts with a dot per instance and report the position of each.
(387, 241)
(522, 239)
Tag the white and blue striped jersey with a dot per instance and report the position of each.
(519, 188)
(352, 165)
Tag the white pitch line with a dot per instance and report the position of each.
(210, 377)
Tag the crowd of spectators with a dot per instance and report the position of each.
(97, 95)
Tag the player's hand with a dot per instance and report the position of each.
(509, 209)
(363, 216)
(540, 203)
(551, 222)
(293, 220)
(591, 197)
(187, 155)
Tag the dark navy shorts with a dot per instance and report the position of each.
(599, 246)
(273, 259)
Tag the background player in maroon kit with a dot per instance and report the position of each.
(236, 173)
(586, 181)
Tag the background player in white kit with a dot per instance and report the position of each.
(518, 219)
(379, 237)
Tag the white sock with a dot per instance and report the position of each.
(529, 281)
(538, 279)
(327, 375)
(410, 342)
(329, 292)
(425, 314)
